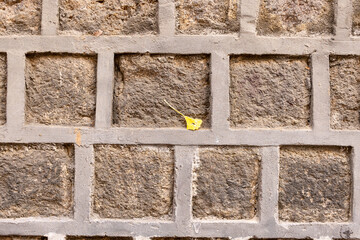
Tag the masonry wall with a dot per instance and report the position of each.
(89, 149)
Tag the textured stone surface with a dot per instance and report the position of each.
(315, 184)
(20, 17)
(22, 238)
(142, 82)
(270, 92)
(96, 238)
(133, 181)
(226, 183)
(345, 92)
(36, 180)
(60, 89)
(186, 238)
(298, 18)
(207, 16)
(356, 17)
(3, 76)
(111, 17)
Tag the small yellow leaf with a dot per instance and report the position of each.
(192, 124)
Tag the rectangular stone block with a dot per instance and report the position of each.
(207, 17)
(356, 18)
(133, 181)
(110, 17)
(20, 17)
(270, 92)
(36, 180)
(315, 184)
(225, 183)
(345, 92)
(296, 18)
(60, 89)
(3, 92)
(143, 82)
(22, 238)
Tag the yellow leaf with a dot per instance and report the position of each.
(191, 123)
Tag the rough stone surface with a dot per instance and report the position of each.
(96, 238)
(207, 17)
(60, 89)
(345, 92)
(133, 181)
(36, 180)
(315, 184)
(296, 17)
(110, 17)
(270, 92)
(186, 238)
(142, 82)
(3, 76)
(20, 17)
(226, 183)
(22, 238)
(356, 17)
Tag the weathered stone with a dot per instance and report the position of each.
(270, 92)
(111, 17)
(296, 18)
(60, 89)
(315, 184)
(143, 81)
(345, 92)
(96, 238)
(36, 180)
(186, 238)
(356, 18)
(207, 17)
(133, 181)
(226, 183)
(22, 238)
(21, 17)
(3, 76)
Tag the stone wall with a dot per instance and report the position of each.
(90, 151)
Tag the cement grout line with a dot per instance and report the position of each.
(220, 84)
(184, 157)
(84, 161)
(248, 15)
(104, 89)
(356, 185)
(343, 27)
(166, 18)
(320, 98)
(49, 17)
(269, 187)
(15, 101)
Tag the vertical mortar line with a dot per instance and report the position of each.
(15, 100)
(220, 84)
(343, 14)
(320, 92)
(104, 89)
(184, 156)
(49, 17)
(269, 187)
(84, 161)
(355, 211)
(166, 17)
(248, 16)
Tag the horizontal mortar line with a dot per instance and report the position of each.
(86, 136)
(179, 44)
(203, 229)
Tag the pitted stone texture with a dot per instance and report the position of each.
(96, 238)
(186, 238)
(110, 17)
(226, 183)
(22, 238)
(315, 184)
(36, 180)
(143, 81)
(3, 77)
(60, 89)
(296, 17)
(133, 181)
(345, 92)
(207, 17)
(20, 17)
(356, 17)
(270, 92)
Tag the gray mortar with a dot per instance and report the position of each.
(166, 43)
